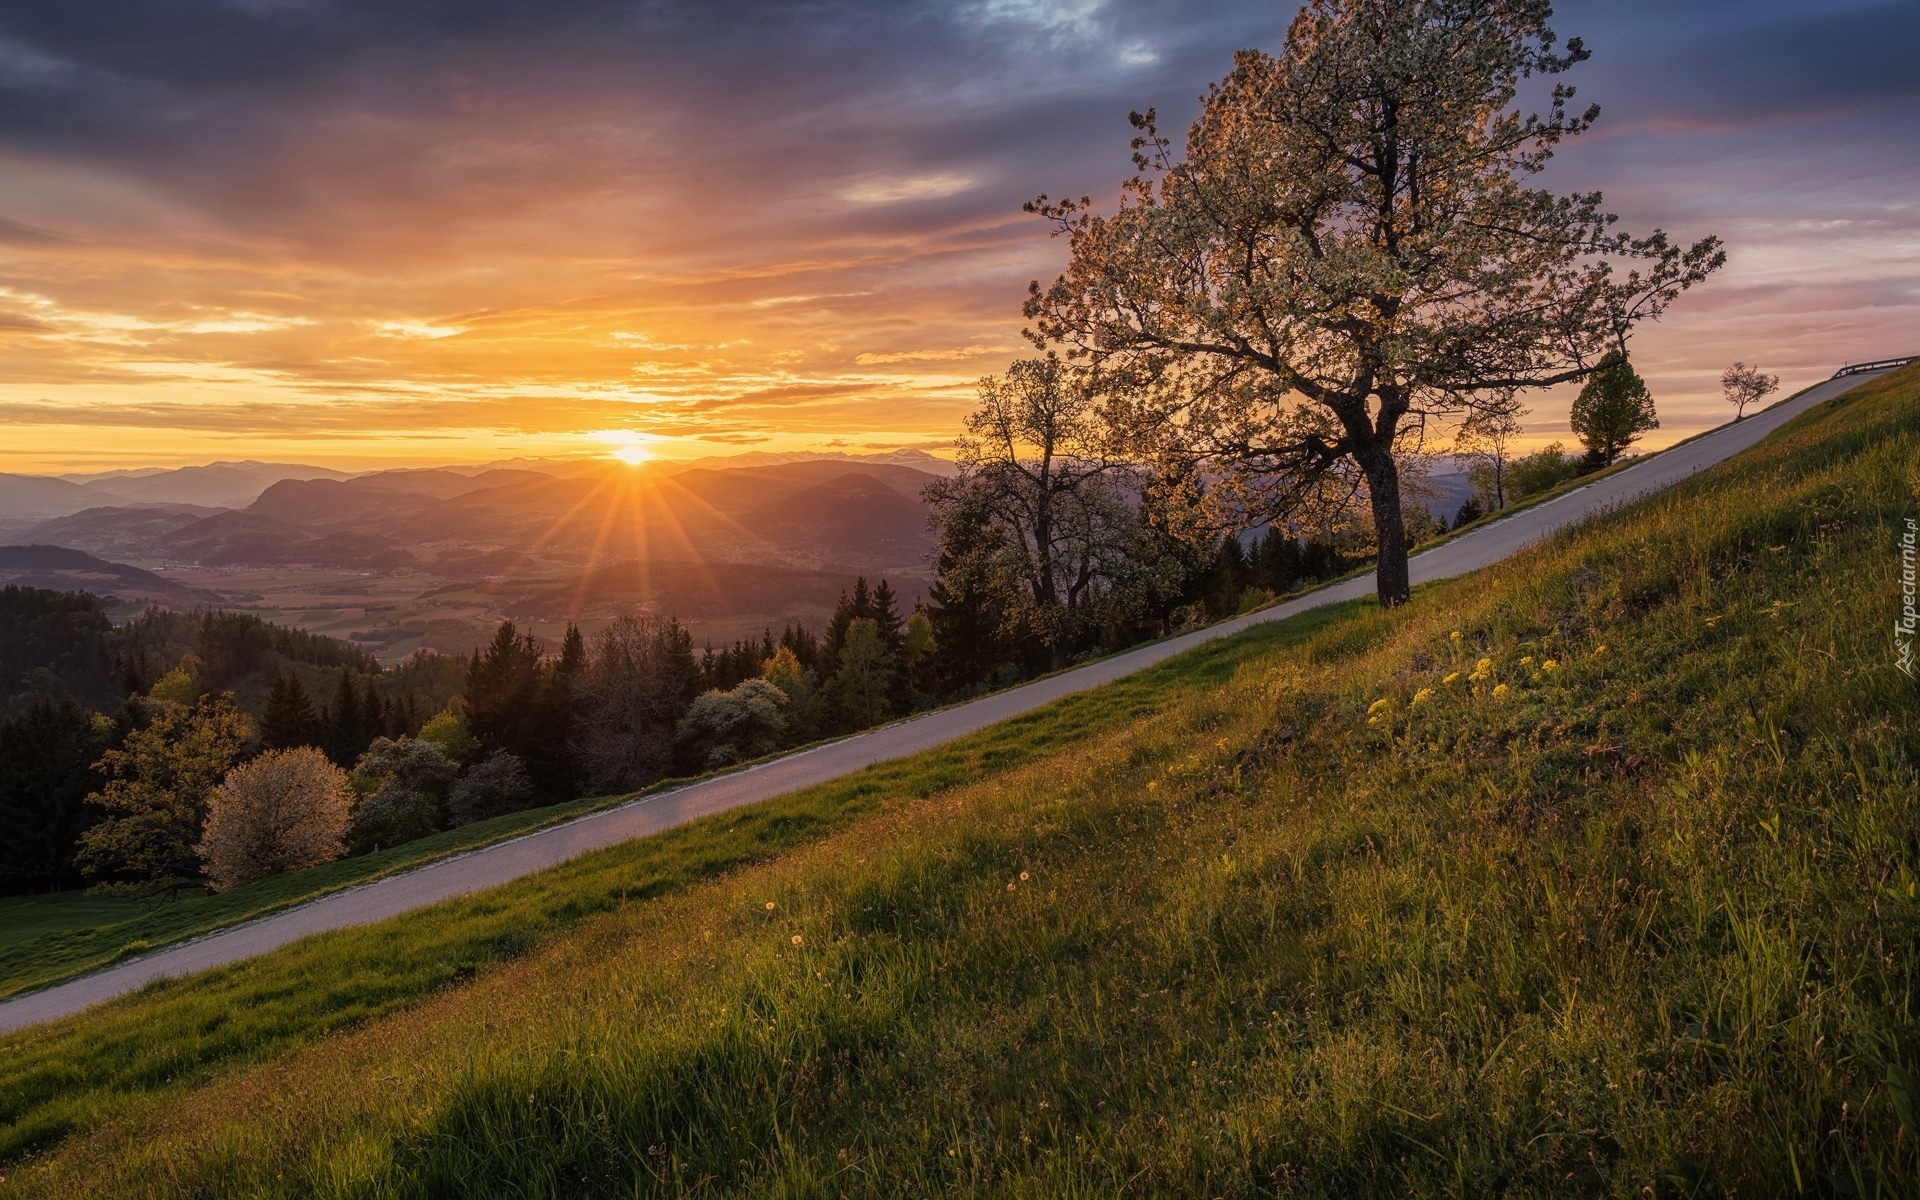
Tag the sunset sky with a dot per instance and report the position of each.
(356, 232)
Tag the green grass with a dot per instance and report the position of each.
(1644, 924)
(49, 938)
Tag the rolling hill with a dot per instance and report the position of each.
(57, 568)
(1588, 873)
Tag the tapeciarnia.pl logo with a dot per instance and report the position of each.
(1905, 625)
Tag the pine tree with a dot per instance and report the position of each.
(47, 754)
(551, 763)
(346, 726)
(289, 719)
(503, 693)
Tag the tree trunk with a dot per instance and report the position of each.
(1389, 525)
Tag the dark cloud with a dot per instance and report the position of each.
(791, 192)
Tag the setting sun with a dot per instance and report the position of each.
(626, 445)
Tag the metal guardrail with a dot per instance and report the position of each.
(1883, 364)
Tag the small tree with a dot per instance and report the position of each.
(448, 730)
(1486, 438)
(1744, 385)
(495, 786)
(284, 811)
(864, 680)
(1033, 463)
(918, 658)
(1613, 409)
(157, 784)
(785, 672)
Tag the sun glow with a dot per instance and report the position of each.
(626, 445)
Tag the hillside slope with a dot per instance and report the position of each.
(1594, 872)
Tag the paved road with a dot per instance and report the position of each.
(498, 864)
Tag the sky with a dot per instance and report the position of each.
(371, 232)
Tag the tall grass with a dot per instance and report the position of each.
(1327, 923)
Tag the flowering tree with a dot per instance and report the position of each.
(1350, 247)
(1743, 385)
(283, 811)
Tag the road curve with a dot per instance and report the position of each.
(505, 861)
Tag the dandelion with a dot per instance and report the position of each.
(1423, 695)
(1451, 677)
(1500, 691)
(1550, 666)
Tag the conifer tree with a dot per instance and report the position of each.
(289, 719)
(346, 723)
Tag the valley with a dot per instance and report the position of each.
(401, 561)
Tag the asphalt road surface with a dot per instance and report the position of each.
(505, 861)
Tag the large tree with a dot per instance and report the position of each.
(1348, 248)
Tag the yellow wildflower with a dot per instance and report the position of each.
(1600, 649)
(1423, 695)
(1385, 702)
(1550, 666)
(1500, 691)
(1455, 635)
(1451, 677)
(1526, 660)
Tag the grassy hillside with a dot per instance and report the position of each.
(1598, 872)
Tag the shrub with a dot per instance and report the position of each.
(403, 785)
(497, 785)
(723, 728)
